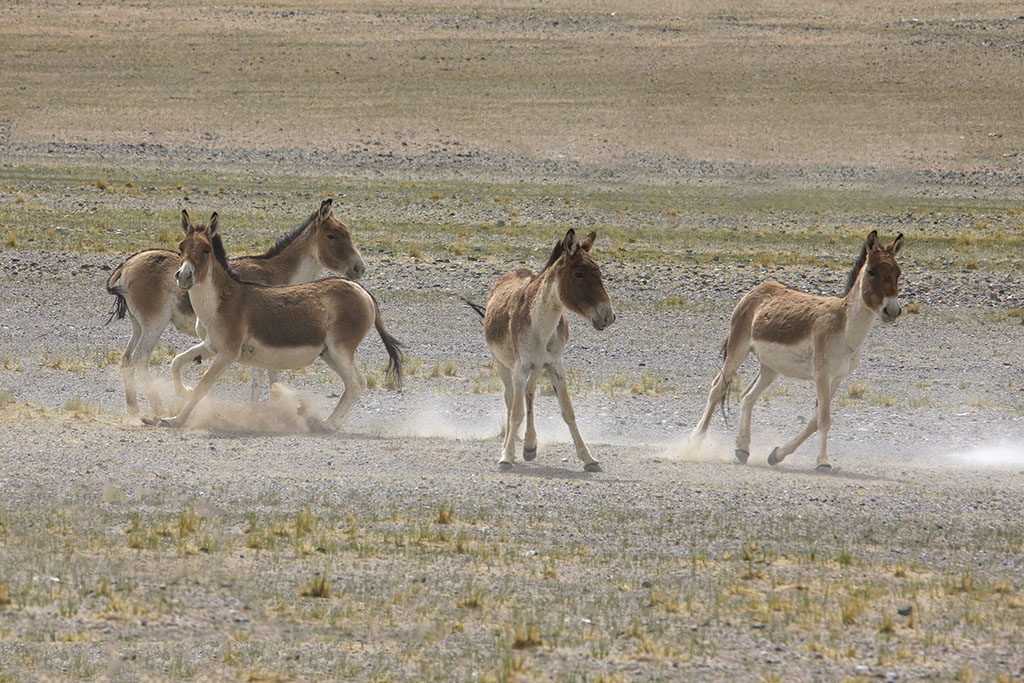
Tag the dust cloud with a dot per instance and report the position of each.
(285, 412)
(1004, 453)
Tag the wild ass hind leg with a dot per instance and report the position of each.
(221, 362)
(530, 442)
(519, 377)
(195, 352)
(505, 373)
(344, 363)
(822, 416)
(131, 400)
(257, 381)
(765, 376)
(557, 374)
(150, 335)
(736, 353)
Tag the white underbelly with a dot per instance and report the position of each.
(279, 358)
(796, 360)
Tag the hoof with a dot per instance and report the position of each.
(592, 467)
(742, 455)
(529, 453)
(773, 457)
(824, 467)
(504, 466)
(151, 420)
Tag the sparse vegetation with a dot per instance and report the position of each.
(136, 553)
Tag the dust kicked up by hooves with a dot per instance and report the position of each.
(286, 412)
(715, 448)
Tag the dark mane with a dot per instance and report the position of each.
(855, 271)
(283, 243)
(222, 257)
(555, 253)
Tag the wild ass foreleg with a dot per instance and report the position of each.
(822, 416)
(765, 376)
(530, 442)
(345, 365)
(520, 375)
(557, 375)
(221, 362)
(196, 352)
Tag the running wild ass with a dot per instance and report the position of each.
(807, 337)
(145, 289)
(274, 327)
(526, 329)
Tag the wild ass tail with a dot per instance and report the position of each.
(394, 347)
(481, 310)
(117, 291)
(725, 395)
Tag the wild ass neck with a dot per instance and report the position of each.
(860, 317)
(213, 290)
(297, 262)
(548, 307)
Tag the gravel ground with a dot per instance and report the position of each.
(930, 458)
(129, 552)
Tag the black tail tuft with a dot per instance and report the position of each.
(394, 347)
(481, 310)
(120, 308)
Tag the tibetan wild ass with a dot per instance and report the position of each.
(145, 289)
(526, 329)
(808, 337)
(274, 327)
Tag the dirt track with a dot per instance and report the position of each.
(128, 551)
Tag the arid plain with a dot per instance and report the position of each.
(711, 147)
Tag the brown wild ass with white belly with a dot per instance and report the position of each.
(526, 329)
(808, 337)
(274, 327)
(145, 289)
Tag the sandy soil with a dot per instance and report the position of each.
(904, 563)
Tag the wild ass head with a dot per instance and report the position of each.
(334, 245)
(880, 275)
(579, 280)
(201, 245)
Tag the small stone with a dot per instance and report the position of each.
(905, 610)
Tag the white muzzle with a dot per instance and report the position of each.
(185, 276)
(890, 309)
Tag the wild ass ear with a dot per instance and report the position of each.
(325, 209)
(588, 243)
(871, 243)
(897, 244)
(186, 222)
(211, 227)
(569, 242)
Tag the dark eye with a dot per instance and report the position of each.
(206, 251)
(331, 236)
(578, 274)
(871, 272)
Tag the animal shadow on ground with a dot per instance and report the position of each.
(836, 473)
(550, 472)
